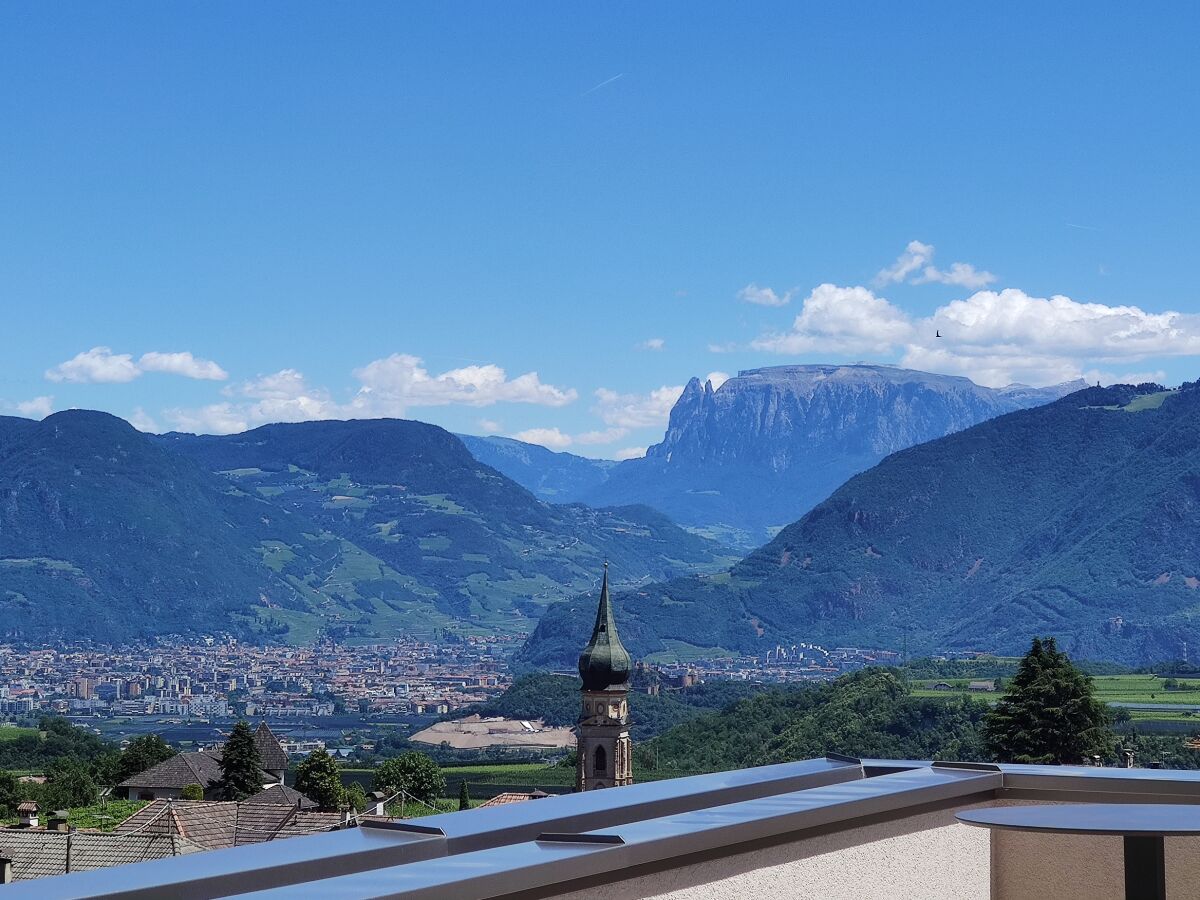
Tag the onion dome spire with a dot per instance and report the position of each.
(605, 662)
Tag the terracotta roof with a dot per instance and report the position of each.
(503, 799)
(37, 854)
(271, 755)
(217, 824)
(28, 806)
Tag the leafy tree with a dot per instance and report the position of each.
(414, 773)
(68, 784)
(1050, 714)
(10, 794)
(464, 798)
(143, 753)
(241, 765)
(356, 796)
(319, 778)
(192, 792)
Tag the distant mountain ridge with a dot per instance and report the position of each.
(747, 458)
(553, 476)
(354, 530)
(1080, 519)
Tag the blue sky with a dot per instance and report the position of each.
(284, 211)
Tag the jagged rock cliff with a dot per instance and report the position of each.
(748, 458)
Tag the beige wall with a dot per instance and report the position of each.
(925, 857)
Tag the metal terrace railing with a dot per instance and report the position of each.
(559, 844)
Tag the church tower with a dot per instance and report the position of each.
(605, 751)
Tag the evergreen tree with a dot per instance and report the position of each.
(414, 773)
(319, 779)
(241, 765)
(1050, 714)
(464, 798)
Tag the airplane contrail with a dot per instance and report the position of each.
(1084, 227)
(602, 84)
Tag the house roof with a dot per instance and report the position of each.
(37, 854)
(29, 806)
(282, 795)
(202, 767)
(271, 755)
(218, 824)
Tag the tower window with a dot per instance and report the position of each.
(601, 764)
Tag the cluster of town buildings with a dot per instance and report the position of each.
(224, 678)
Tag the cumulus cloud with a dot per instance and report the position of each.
(37, 408)
(184, 364)
(143, 421)
(545, 437)
(101, 366)
(993, 337)
(652, 344)
(388, 387)
(636, 410)
(630, 453)
(98, 365)
(915, 265)
(490, 426)
(717, 378)
(837, 319)
(764, 296)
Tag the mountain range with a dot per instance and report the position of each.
(354, 530)
(1080, 519)
(741, 461)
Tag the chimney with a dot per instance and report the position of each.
(6, 870)
(377, 799)
(27, 812)
(58, 821)
(1127, 757)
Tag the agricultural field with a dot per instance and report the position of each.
(11, 732)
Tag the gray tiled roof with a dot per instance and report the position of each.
(281, 795)
(37, 853)
(271, 755)
(201, 767)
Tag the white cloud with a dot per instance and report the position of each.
(397, 382)
(636, 410)
(652, 344)
(717, 378)
(98, 365)
(606, 436)
(37, 408)
(546, 437)
(997, 337)
(490, 426)
(837, 319)
(388, 387)
(1093, 375)
(143, 421)
(764, 296)
(184, 364)
(917, 261)
(101, 366)
(630, 453)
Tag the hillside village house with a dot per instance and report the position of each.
(203, 767)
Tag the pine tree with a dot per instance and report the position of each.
(1050, 713)
(319, 779)
(464, 798)
(241, 765)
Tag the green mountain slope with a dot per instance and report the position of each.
(1079, 519)
(104, 535)
(435, 527)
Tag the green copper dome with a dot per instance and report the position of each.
(605, 662)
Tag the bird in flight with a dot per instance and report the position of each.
(938, 333)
